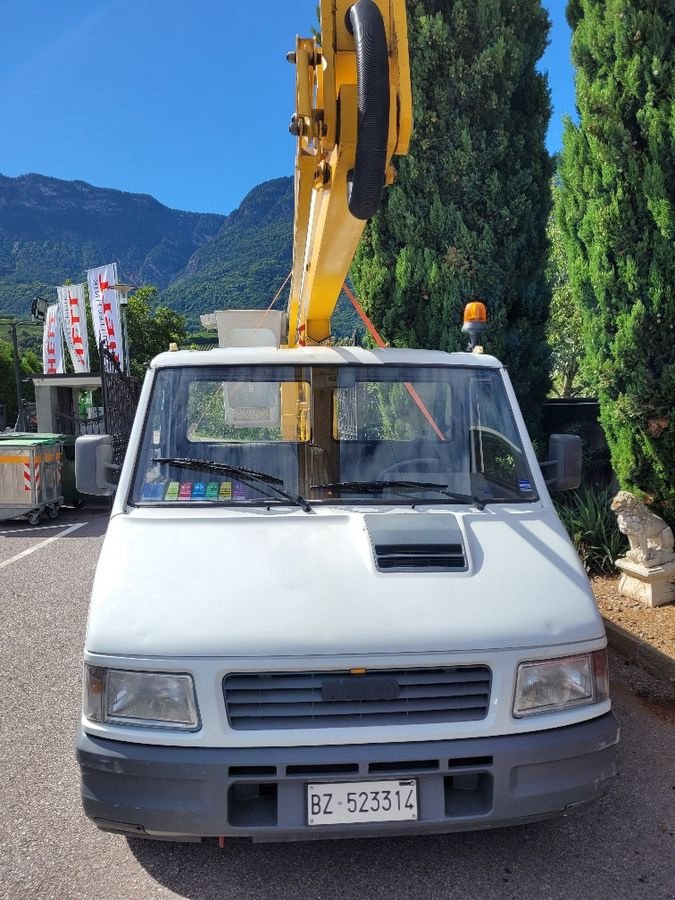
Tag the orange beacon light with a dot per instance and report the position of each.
(475, 321)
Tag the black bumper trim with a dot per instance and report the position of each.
(186, 793)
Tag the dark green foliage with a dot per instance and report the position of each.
(201, 340)
(467, 216)
(16, 296)
(30, 365)
(345, 323)
(151, 328)
(617, 213)
(591, 525)
(569, 375)
(29, 336)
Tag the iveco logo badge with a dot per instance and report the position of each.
(360, 688)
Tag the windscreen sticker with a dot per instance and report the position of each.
(524, 485)
(153, 490)
(194, 490)
(185, 492)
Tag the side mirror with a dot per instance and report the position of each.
(564, 462)
(93, 464)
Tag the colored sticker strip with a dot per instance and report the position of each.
(172, 491)
(198, 490)
(212, 490)
(185, 492)
(225, 490)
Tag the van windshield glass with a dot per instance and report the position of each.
(274, 435)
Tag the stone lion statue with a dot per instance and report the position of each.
(651, 540)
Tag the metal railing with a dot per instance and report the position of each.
(120, 399)
(77, 425)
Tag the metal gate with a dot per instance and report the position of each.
(120, 399)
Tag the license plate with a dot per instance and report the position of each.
(362, 801)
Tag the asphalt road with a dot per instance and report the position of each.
(623, 847)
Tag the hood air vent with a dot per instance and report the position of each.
(432, 557)
(417, 543)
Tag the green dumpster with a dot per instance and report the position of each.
(70, 495)
(30, 476)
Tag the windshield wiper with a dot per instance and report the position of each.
(373, 486)
(270, 481)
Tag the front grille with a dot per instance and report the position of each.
(275, 701)
(430, 557)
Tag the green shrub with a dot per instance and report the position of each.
(591, 525)
(616, 211)
(466, 217)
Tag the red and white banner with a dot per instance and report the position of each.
(52, 342)
(74, 318)
(105, 309)
(28, 477)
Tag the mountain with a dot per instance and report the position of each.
(246, 262)
(53, 230)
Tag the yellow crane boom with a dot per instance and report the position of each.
(353, 113)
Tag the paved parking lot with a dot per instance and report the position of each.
(623, 847)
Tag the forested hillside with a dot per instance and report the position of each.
(246, 262)
(52, 230)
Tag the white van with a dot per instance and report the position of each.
(335, 599)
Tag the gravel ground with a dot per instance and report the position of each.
(656, 626)
(622, 847)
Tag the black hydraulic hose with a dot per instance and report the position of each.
(366, 180)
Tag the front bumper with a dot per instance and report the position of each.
(183, 793)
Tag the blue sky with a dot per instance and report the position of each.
(187, 102)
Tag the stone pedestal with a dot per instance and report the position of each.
(653, 586)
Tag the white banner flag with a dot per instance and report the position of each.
(74, 318)
(52, 342)
(105, 309)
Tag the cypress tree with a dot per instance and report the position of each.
(617, 213)
(466, 218)
(565, 327)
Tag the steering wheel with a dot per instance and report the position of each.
(426, 463)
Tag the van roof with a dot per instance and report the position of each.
(333, 356)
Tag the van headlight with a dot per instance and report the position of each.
(148, 699)
(555, 684)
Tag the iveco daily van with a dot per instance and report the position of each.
(334, 599)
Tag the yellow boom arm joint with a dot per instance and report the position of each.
(353, 112)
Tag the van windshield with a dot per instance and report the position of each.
(263, 435)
